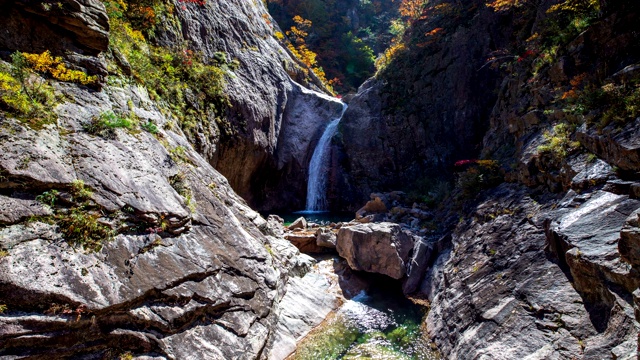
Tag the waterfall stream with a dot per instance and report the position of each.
(319, 168)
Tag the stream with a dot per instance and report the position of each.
(379, 323)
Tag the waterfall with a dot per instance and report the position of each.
(319, 168)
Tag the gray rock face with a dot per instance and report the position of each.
(629, 244)
(376, 247)
(188, 274)
(278, 121)
(521, 285)
(306, 304)
(620, 147)
(78, 29)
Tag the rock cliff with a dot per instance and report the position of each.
(118, 235)
(545, 264)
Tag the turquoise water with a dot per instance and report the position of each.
(377, 324)
(318, 217)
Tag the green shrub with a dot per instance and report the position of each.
(105, 125)
(181, 185)
(179, 155)
(82, 228)
(26, 95)
(150, 127)
(3, 308)
(79, 191)
(48, 197)
(558, 142)
(189, 87)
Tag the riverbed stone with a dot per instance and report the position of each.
(305, 241)
(376, 247)
(326, 237)
(299, 223)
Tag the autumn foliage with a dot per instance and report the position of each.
(54, 66)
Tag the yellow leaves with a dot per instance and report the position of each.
(122, 4)
(389, 54)
(503, 5)
(279, 35)
(11, 94)
(45, 63)
(302, 23)
(578, 6)
(135, 35)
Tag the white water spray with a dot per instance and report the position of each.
(319, 168)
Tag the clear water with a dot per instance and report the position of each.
(319, 168)
(318, 217)
(377, 324)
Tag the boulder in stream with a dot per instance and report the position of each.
(376, 247)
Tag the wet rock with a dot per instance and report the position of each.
(381, 248)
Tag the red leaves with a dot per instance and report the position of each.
(197, 2)
(464, 162)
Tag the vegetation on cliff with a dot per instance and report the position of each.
(345, 35)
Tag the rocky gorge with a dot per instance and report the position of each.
(136, 154)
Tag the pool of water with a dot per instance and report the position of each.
(318, 217)
(376, 324)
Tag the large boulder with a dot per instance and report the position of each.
(376, 247)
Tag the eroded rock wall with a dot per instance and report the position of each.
(127, 241)
(427, 109)
(543, 266)
(278, 121)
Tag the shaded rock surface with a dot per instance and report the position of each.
(376, 247)
(277, 121)
(426, 110)
(516, 293)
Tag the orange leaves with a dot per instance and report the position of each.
(412, 8)
(434, 32)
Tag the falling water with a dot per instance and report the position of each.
(319, 168)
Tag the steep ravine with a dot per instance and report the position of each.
(543, 265)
